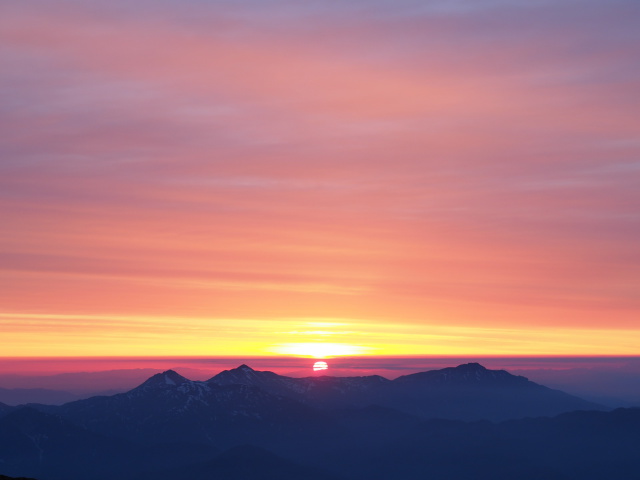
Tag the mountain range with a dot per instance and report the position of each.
(466, 392)
(452, 423)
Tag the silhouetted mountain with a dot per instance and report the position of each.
(466, 392)
(267, 381)
(242, 463)
(161, 380)
(472, 392)
(468, 374)
(168, 407)
(572, 446)
(37, 444)
(20, 396)
(52, 448)
(246, 375)
(322, 392)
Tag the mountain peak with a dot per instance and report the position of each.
(244, 375)
(243, 372)
(467, 374)
(471, 367)
(166, 378)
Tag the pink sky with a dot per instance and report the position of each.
(233, 178)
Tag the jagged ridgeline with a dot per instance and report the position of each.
(245, 424)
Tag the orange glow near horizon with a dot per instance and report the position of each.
(60, 336)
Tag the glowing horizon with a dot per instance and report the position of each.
(319, 179)
(310, 338)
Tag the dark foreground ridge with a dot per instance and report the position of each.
(248, 424)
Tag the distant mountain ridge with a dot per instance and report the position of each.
(465, 374)
(320, 391)
(19, 396)
(169, 407)
(240, 404)
(248, 424)
(466, 392)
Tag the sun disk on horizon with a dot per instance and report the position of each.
(320, 366)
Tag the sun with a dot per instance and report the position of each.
(319, 366)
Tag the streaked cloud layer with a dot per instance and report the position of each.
(400, 169)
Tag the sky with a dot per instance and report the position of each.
(319, 178)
